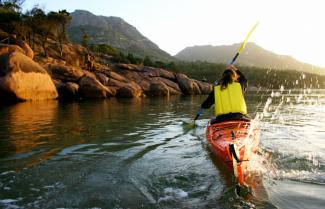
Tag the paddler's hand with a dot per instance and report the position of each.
(231, 67)
(234, 69)
(199, 113)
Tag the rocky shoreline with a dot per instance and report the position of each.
(71, 74)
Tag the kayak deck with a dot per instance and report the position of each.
(234, 142)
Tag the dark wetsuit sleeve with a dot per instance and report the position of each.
(242, 80)
(208, 102)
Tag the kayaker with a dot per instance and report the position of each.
(228, 97)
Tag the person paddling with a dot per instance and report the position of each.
(227, 97)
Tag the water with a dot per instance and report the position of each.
(139, 153)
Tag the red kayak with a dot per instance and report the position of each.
(234, 142)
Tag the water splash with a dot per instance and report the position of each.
(290, 149)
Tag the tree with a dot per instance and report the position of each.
(64, 19)
(121, 58)
(131, 58)
(104, 49)
(59, 21)
(9, 16)
(12, 5)
(44, 25)
(160, 64)
(28, 20)
(171, 66)
(147, 61)
(85, 38)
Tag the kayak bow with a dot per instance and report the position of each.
(234, 142)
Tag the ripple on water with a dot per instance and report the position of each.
(10, 203)
(75, 148)
(173, 194)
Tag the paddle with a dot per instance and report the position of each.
(240, 49)
(192, 125)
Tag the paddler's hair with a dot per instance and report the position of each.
(227, 77)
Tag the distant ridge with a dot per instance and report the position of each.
(116, 32)
(253, 55)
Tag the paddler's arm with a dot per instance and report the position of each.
(208, 102)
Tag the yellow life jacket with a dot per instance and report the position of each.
(229, 100)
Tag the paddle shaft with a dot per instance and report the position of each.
(234, 59)
(196, 117)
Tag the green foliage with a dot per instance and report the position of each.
(11, 5)
(85, 38)
(33, 23)
(147, 61)
(9, 18)
(60, 20)
(171, 66)
(117, 56)
(104, 49)
(258, 77)
(121, 58)
(133, 59)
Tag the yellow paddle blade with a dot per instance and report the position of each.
(241, 48)
(190, 125)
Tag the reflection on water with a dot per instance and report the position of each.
(137, 153)
(26, 123)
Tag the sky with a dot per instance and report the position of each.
(287, 27)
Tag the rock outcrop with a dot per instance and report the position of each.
(187, 85)
(152, 80)
(28, 51)
(65, 73)
(23, 79)
(90, 87)
(6, 49)
(68, 76)
(159, 89)
(67, 91)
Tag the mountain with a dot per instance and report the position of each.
(253, 55)
(116, 32)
